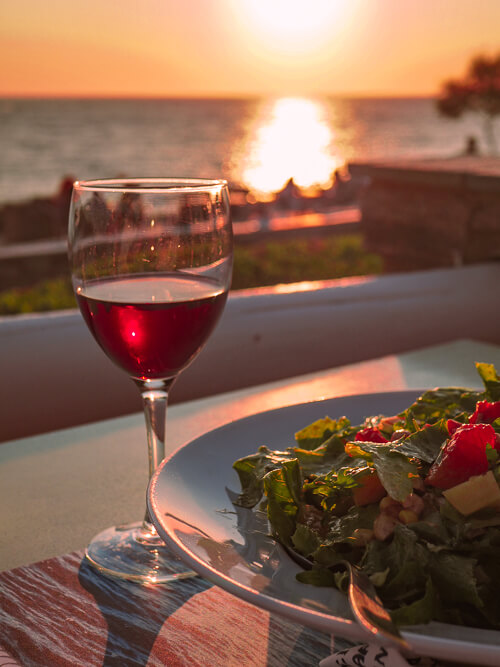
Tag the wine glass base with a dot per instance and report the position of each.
(132, 552)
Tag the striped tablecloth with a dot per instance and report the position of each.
(60, 612)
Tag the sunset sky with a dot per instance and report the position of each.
(240, 47)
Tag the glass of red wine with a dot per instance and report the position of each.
(151, 263)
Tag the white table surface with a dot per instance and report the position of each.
(58, 489)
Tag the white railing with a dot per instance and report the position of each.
(55, 376)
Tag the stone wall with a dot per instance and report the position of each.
(433, 213)
(39, 218)
(24, 264)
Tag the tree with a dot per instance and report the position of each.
(478, 91)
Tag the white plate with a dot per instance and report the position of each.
(190, 496)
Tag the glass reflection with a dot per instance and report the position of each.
(289, 138)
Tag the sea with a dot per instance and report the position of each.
(257, 144)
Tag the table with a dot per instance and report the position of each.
(58, 489)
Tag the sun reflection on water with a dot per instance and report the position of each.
(288, 138)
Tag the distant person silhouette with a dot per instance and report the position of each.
(471, 147)
(289, 197)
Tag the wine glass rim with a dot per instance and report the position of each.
(150, 184)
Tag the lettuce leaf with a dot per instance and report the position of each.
(283, 488)
(407, 561)
(252, 470)
(490, 379)
(341, 528)
(305, 540)
(440, 403)
(453, 576)
(418, 611)
(316, 433)
(425, 444)
(394, 469)
(317, 577)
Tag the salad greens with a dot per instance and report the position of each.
(402, 497)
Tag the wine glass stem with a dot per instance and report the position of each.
(155, 400)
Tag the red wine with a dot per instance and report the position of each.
(152, 326)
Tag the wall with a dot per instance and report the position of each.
(433, 213)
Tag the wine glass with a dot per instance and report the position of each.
(151, 263)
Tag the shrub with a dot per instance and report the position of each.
(256, 264)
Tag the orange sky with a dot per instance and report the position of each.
(240, 47)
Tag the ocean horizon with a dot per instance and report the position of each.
(257, 143)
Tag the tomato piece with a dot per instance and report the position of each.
(463, 456)
(485, 412)
(371, 490)
(370, 435)
(452, 425)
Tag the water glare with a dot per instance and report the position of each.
(289, 138)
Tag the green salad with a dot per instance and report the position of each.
(412, 499)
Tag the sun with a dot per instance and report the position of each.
(293, 25)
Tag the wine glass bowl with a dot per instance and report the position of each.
(151, 263)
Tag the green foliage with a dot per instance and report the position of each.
(276, 262)
(255, 265)
(478, 90)
(56, 294)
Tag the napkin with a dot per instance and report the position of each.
(371, 655)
